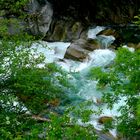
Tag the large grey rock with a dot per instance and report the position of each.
(80, 48)
(40, 16)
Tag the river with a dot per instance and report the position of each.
(78, 75)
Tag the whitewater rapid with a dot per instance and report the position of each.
(55, 52)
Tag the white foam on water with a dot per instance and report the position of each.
(106, 41)
(51, 50)
(55, 51)
(113, 132)
(129, 48)
(94, 31)
(100, 57)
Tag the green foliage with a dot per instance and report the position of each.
(121, 80)
(12, 7)
(27, 90)
(21, 76)
(64, 128)
(137, 19)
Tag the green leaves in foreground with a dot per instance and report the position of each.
(26, 90)
(122, 80)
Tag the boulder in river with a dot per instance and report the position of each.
(80, 48)
(108, 32)
(112, 32)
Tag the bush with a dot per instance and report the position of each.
(27, 91)
(121, 80)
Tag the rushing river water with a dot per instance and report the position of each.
(78, 72)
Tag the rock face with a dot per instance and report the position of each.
(40, 16)
(97, 11)
(80, 48)
(64, 30)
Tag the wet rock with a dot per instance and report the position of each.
(108, 32)
(57, 32)
(105, 119)
(76, 50)
(83, 34)
(76, 53)
(80, 48)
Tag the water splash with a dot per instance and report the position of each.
(86, 89)
(52, 51)
(105, 41)
(92, 32)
